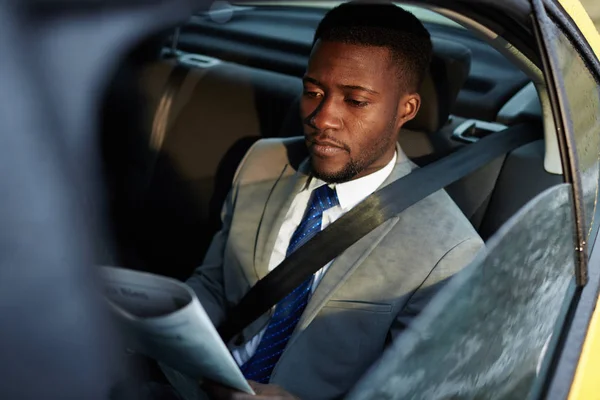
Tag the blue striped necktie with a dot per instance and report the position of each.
(289, 310)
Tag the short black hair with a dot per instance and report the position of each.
(382, 25)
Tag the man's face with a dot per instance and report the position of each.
(352, 108)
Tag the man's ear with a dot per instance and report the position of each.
(408, 108)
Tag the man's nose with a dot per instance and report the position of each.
(326, 116)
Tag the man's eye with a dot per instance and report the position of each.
(357, 103)
(312, 95)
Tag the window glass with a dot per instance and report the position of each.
(484, 336)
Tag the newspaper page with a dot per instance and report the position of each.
(163, 319)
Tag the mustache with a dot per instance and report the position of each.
(323, 139)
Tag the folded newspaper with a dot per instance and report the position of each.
(163, 319)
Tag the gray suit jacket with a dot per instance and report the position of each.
(372, 290)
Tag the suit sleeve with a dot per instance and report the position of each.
(452, 262)
(207, 280)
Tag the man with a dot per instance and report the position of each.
(360, 87)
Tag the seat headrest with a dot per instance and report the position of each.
(449, 70)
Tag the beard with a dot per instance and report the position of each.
(356, 165)
(350, 170)
(361, 161)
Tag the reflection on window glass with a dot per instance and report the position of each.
(584, 103)
(484, 336)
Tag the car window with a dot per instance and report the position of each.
(486, 333)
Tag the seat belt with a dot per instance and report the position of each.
(377, 208)
(162, 114)
(163, 110)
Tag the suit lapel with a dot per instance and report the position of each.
(280, 199)
(342, 267)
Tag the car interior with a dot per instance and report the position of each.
(231, 76)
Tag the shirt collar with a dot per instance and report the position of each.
(353, 192)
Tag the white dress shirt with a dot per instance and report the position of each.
(349, 195)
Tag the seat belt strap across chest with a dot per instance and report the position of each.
(380, 206)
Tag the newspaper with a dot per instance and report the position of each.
(163, 319)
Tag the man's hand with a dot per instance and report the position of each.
(263, 392)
